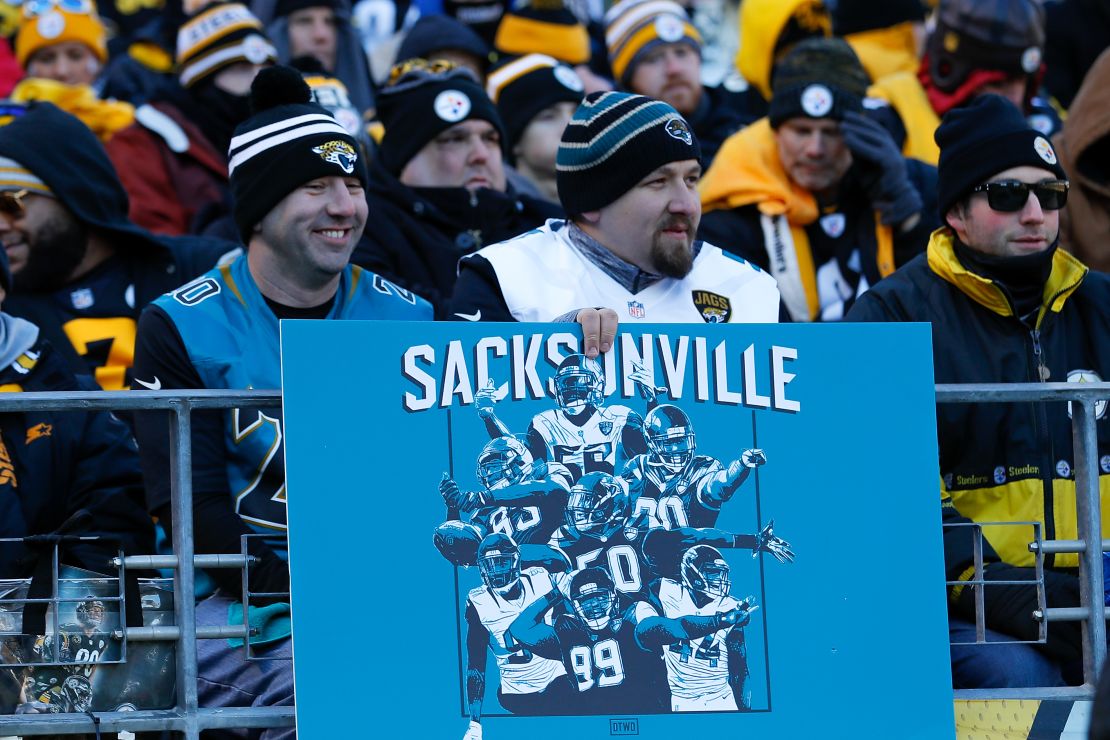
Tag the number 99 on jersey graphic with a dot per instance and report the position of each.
(607, 543)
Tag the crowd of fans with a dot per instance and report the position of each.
(877, 161)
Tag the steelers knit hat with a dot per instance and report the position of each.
(524, 87)
(981, 139)
(423, 99)
(543, 27)
(819, 78)
(217, 37)
(286, 142)
(613, 141)
(635, 27)
(47, 22)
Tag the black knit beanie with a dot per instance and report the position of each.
(423, 99)
(432, 33)
(819, 78)
(523, 87)
(982, 139)
(613, 141)
(286, 142)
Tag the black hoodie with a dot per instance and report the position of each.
(81, 318)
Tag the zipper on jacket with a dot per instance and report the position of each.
(1040, 421)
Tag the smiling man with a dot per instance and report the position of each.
(438, 188)
(300, 206)
(627, 171)
(1006, 306)
(817, 193)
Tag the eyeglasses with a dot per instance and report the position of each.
(1012, 196)
(11, 203)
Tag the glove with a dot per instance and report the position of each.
(882, 168)
(485, 398)
(753, 458)
(1009, 608)
(474, 732)
(648, 390)
(766, 541)
(456, 498)
(740, 616)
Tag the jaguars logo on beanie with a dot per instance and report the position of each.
(287, 141)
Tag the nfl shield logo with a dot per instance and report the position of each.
(636, 310)
(714, 308)
(82, 298)
(606, 427)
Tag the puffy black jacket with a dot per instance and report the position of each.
(1014, 461)
(55, 464)
(416, 236)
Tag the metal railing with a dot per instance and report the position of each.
(1083, 398)
(188, 718)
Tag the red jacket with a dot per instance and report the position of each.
(170, 170)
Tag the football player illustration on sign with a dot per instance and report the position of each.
(600, 532)
(604, 587)
(520, 497)
(529, 683)
(612, 654)
(582, 433)
(673, 487)
(708, 674)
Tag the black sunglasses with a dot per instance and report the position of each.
(11, 203)
(1012, 196)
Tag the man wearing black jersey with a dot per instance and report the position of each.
(82, 270)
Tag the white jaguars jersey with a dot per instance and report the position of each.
(697, 670)
(543, 276)
(521, 671)
(591, 447)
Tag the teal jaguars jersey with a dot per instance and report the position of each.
(232, 339)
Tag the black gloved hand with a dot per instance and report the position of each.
(882, 169)
(1009, 608)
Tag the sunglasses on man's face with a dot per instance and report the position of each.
(11, 203)
(1011, 196)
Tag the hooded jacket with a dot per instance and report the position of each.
(416, 236)
(1083, 148)
(1014, 461)
(761, 24)
(92, 319)
(753, 209)
(176, 179)
(351, 65)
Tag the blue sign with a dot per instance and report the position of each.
(712, 529)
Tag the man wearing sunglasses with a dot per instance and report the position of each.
(1006, 305)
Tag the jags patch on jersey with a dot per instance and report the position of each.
(714, 308)
(338, 153)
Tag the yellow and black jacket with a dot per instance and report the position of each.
(753, 209)
(1005, 462)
